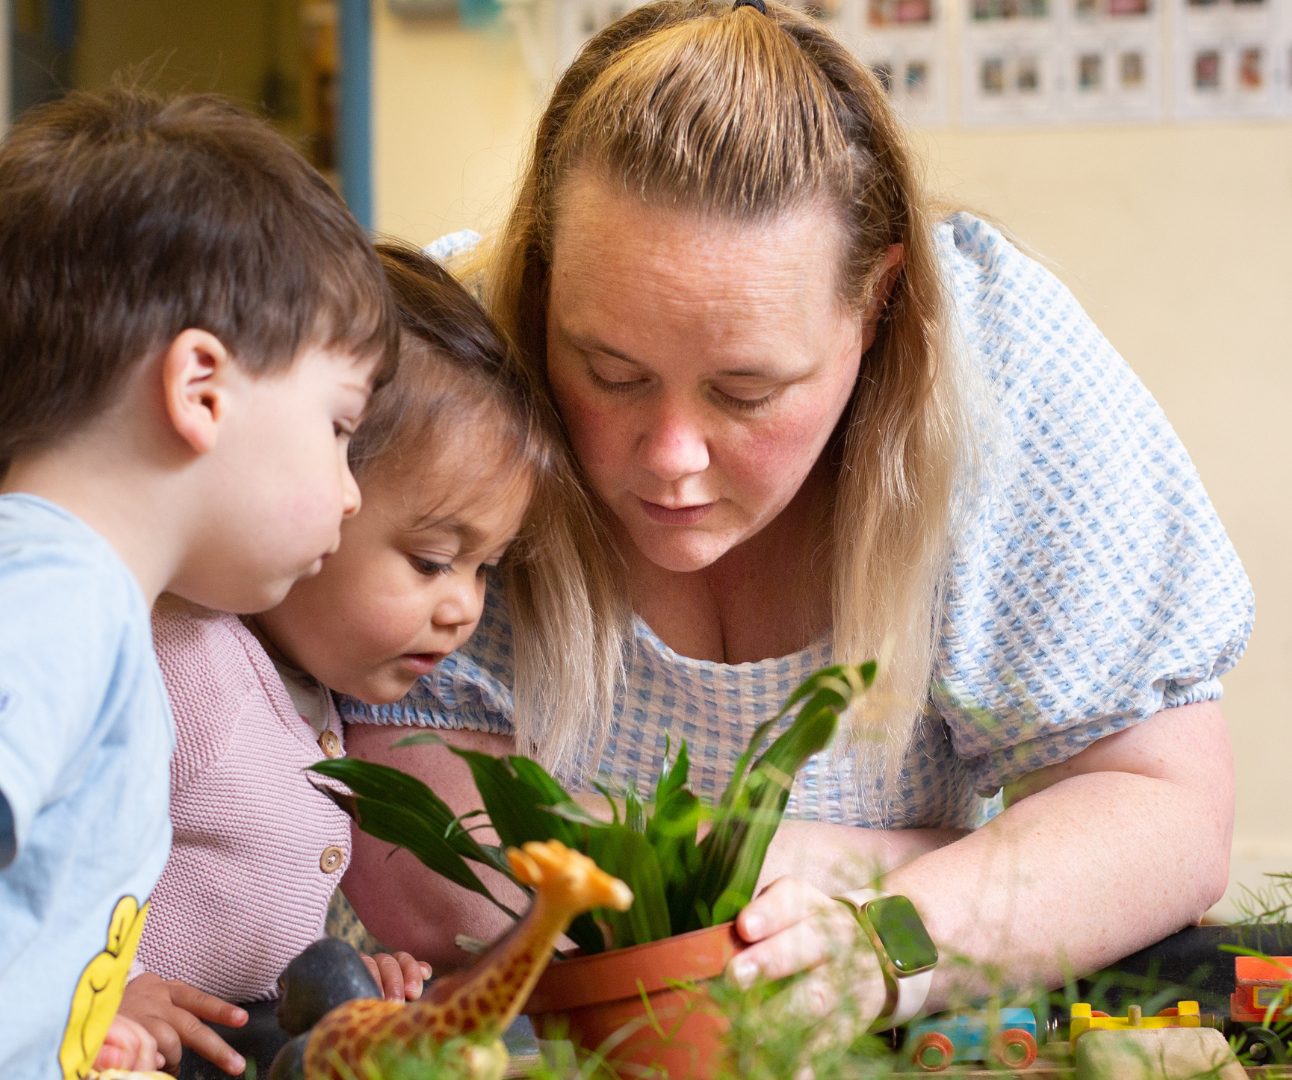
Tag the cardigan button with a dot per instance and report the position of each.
(331, 859)
(330, 744)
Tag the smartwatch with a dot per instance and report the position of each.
(907, 955)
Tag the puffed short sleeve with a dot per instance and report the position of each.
(1095, 585)
(469, 690)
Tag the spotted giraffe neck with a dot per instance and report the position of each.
(485, 1000)
(492, 993)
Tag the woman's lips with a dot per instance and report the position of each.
(422, 663)
(681, 515)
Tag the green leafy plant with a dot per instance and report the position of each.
(680, 882)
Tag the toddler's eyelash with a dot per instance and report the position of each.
(430, 569)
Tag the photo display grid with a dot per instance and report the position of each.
(1020, 61)
(904, 42)
(1110, 65)
(1009, 61)
(1233, 58)
(1048, 61)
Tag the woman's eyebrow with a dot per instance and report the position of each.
(594, 344)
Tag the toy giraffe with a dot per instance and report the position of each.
(486, 999)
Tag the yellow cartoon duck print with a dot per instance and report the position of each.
(98, 993)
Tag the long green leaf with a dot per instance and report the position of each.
(385, 785)
(524, 803)
(628, 856)
(752, 808)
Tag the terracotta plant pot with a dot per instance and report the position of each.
(597, 1002)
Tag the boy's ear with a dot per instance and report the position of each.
(194, 367)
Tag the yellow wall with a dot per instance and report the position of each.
(1177, 238)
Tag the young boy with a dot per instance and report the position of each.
(190, 325)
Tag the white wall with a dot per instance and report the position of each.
(1177, 238)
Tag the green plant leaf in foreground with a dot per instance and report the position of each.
(679, 884)
(751, 808)
(628, 855)
(400, 809)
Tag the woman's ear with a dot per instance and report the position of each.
(885, 277)
(194, 368)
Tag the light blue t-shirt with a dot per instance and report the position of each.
(1093, 587)
(85, 741)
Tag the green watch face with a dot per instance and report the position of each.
(898, 926)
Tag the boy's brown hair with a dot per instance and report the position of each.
(127, 218)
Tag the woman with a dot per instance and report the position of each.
(812, 423)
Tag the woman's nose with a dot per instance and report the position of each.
(674, 445)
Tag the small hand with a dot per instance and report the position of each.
(794, 928)
(172, 1011)
(128, 1045)
(400, 977)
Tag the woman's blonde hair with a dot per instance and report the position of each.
(747, 116)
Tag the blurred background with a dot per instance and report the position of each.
(1144, 152)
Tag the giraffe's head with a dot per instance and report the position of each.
(566, 878)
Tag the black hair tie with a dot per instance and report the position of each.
(758, 5)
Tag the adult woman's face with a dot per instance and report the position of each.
(700, 365)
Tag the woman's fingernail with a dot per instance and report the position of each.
(237, 1065)
(744, 971)
(754, 926)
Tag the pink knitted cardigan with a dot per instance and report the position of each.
(257, 851)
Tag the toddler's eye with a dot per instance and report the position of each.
(430, 569)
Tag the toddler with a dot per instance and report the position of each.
(446, 459)
(176, 398)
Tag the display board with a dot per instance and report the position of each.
(1010, 62)
(905, 44)
(1232, 58)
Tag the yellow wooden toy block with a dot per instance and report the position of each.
(1082, 1019)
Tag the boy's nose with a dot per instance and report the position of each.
(351, 499)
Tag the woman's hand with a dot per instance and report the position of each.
(172, 1014)
(400, 976)
(128, 1045)
(794, 927)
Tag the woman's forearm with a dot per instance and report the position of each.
(837, 858)
(1109, 851)
(1092, 867)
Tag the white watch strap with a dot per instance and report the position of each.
(912, 990)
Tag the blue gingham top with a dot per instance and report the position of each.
(1094, 587)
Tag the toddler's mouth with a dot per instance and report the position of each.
(422, 663)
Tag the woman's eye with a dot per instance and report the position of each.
(741, 404)
(429, 568)
(342, 431)
(614, 386)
